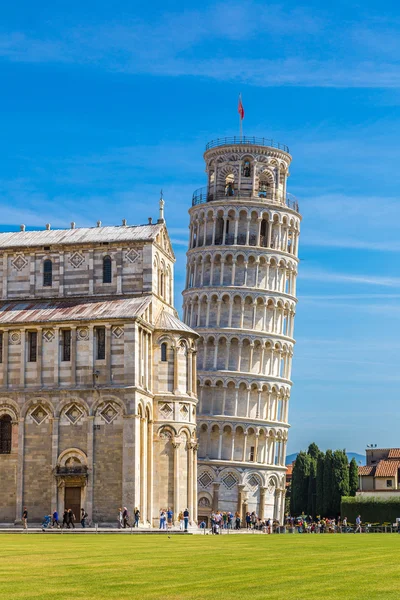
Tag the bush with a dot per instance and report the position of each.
(370, 508)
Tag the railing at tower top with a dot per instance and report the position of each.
(203, 195)
(246, 141)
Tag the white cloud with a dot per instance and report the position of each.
(327, 276)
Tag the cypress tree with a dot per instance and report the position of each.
(327, 494)
(353, 477)
(319, 508)
(340, 479)
(299, 490)
(313, 451)
(312, 488)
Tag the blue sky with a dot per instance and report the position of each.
(104, 104)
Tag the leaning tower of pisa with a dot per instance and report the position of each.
(240, 296)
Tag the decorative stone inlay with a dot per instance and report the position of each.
(184, 412)
(15, 338)
(132, 255)
(48, 335)
(118, 332)
(109, 413)
(73, 414)
(229, 481)
(19, 262)
(166, 410)
(204, 479)
(39, 414)
(253, 482)
(76, 260)
(83, 333)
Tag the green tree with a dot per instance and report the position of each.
(312, 488)
(319, 508)
(340, 479)
(313, 451)
(327, 495)
(353, 477)
(299, 488)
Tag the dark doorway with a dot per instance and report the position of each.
(72, 500)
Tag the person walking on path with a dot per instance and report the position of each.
(248, 520)
(125, 517)
(137, 517)
(65, 519)
(358, 524)
(84, 516)
(180, 520)
(186, 518)
(237, 520)
(55, 519)
(120, 518)
(71, 518)
(25, 518)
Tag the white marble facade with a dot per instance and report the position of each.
(240, 297)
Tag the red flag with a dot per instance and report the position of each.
(240, 108)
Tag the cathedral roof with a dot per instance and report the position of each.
(168, 322)
(80, 235)
(72, 310)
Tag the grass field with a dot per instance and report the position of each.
(196, 567)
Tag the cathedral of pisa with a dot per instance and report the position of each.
(108, 399)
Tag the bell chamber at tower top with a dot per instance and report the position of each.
(246, 168)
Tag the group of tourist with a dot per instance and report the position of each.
(306, 524)
(52, 521)
(167, 519)
(123, 518)
(229, 520)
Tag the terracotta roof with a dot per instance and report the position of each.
(289, 470)
(394, 453)
(367, 470)
(80, 235)
(71, 310)
(168, 322)
(387, 468)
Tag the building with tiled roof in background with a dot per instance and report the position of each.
(97, 375)
(380, 476)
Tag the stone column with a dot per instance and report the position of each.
(195, 447)
(150, 473)
(233, 446)
(20, 471)
(5, 359)
(54, 457)
(32, 274)
(176, 445)
(189, 450)
(244, 447)
(118, 261)
(176, 372)
(91, 272)
(23, 359)
(143, 470)
(90, 461)
(73, 355)
(108, 354)
(215, 501)
(61, 273)
(130, 461)
(5, 282)
(261, 509)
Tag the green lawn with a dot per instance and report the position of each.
(196, 567)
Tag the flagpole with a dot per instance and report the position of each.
(240, 118)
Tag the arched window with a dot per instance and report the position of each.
(5, 434)
(47, 273)
(246, 169)
(107, 270)
(230, 185)
(164, 352)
